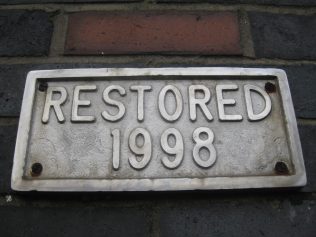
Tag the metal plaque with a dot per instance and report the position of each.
(135, 129)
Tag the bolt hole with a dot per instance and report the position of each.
(36, 169)
(42, 86)
(281, 168)
(270, 87)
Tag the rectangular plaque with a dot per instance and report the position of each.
(136, 129)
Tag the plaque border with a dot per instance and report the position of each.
(209, 183)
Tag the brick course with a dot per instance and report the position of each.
(239, 217)
(81, 221)
(13, 2)
(263, 2)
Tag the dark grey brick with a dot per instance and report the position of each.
(7, 143)
(308, 141)
(239, 217)
(160, 214)
(73, 221)
(61, 1)
(263, 2)
(283, 36)
(12, 80)
(302, 80)
(25, 33)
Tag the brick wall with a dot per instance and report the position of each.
(39, 34)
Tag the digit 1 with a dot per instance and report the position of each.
(116, 148)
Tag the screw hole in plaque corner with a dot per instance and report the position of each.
(36, 169)
(270, 87)
(281, 168)
(42, 86)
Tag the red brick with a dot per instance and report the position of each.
(98, 33)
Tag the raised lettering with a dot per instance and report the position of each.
(49, 102)
(221, 102)
(194, 102)
(140, 100)
(267, 109)
(116, 148)
(118, 104)
(176, 150)
(204, 143)
(77, 102)
(161, 103)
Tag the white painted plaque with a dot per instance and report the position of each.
(135, 129)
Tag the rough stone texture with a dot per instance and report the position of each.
(25, 33)
(301, 78)
(283, 36)
(7, 144)
(73, 221)
(100, 33)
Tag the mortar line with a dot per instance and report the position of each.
(309, 121)
(245, 34)
(8, 121)
(59, 34)
(153, 60)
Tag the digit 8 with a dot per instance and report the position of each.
(207, 143)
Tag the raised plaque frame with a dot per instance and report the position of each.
(21, 184)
